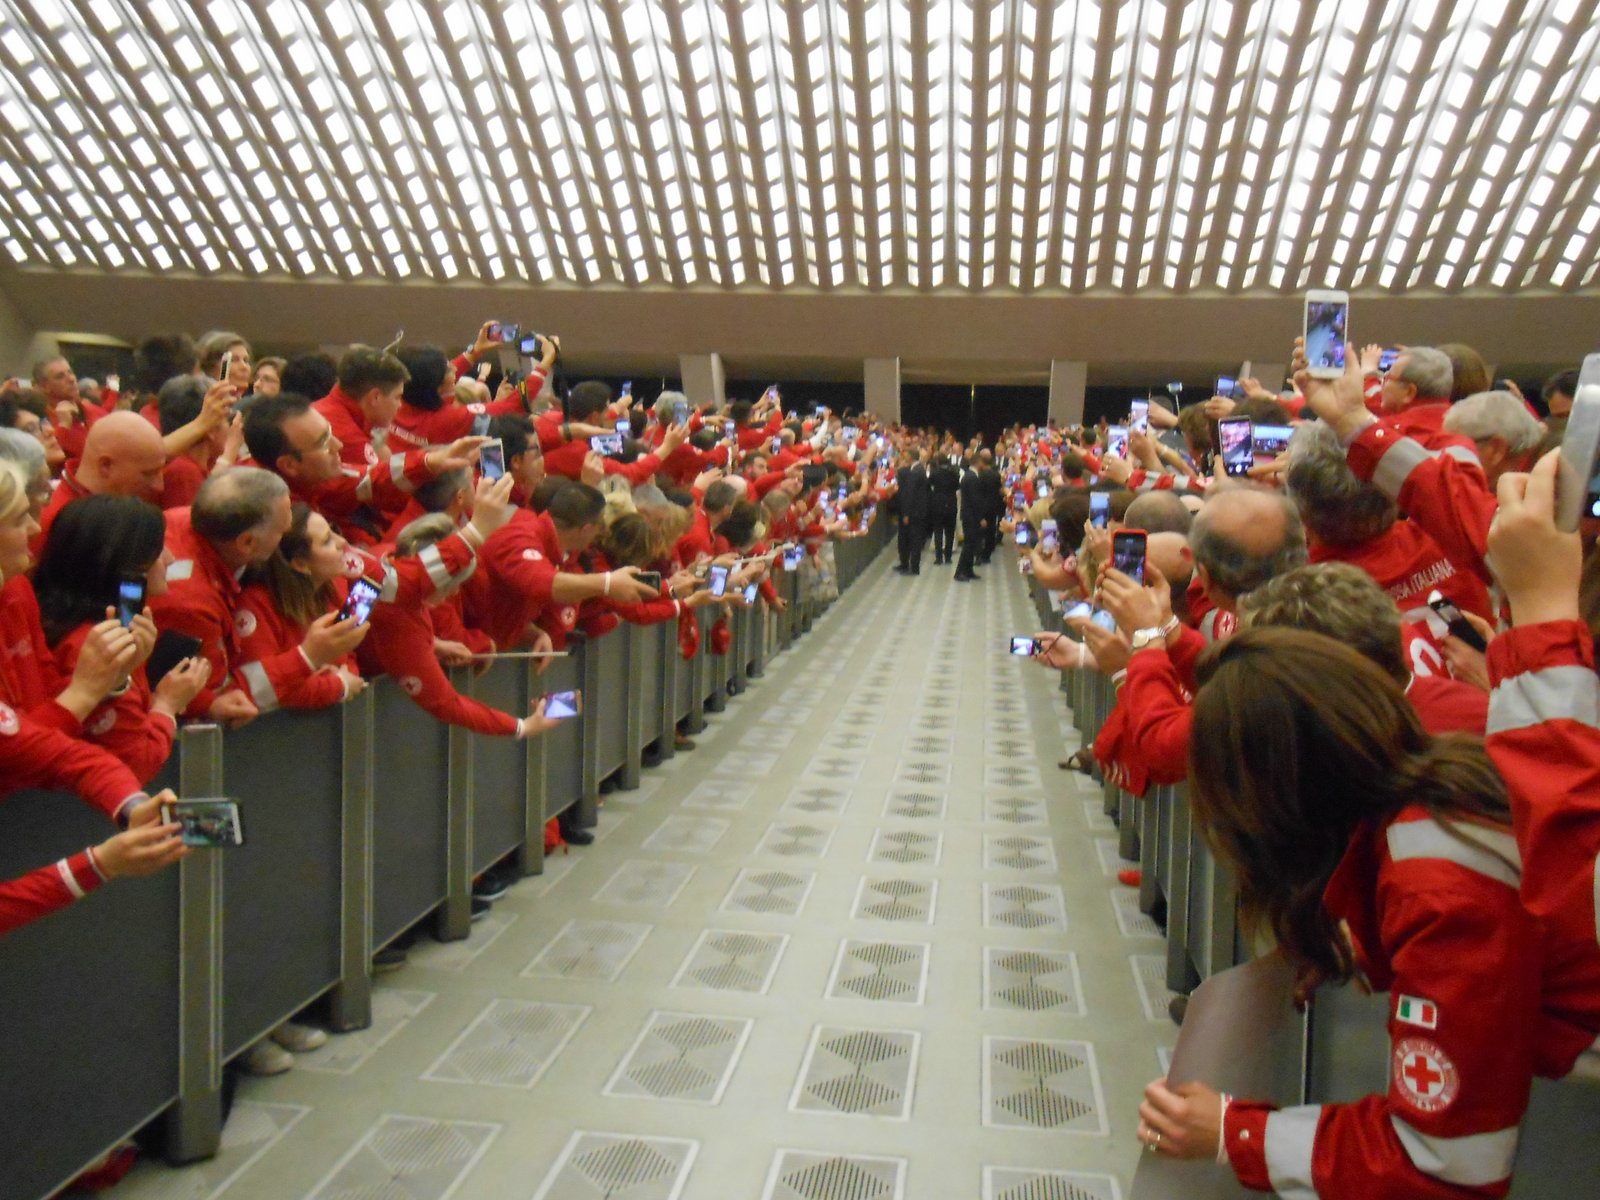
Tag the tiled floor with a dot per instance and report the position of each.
(864, 943)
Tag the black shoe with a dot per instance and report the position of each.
(682, 742)
(965, 578)
(650, 758)
(480, 908)
(1176, 1007)
(608, 785)
(390, 958)
(494, 883)
(902, 570)
(575, 836)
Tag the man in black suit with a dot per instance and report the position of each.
(944, 482)
(973, 522)
(911, 497)
(993, 500)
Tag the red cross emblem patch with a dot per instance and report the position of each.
(1425, 1075)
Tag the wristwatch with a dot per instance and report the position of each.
(1153, 636)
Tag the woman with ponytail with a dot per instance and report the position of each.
(1374, 852)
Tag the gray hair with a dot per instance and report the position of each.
(439, 492)
(235, 502)
(422, 533)
(1428, 370)
(1336, 506)
(1234, 569)
(24, 450)
(1484, 415)
(666, 402)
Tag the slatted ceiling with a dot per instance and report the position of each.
(974, 145)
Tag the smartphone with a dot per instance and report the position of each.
(1024, 534)
(719, 580)
(492, 459)
(624, 427)
(1269, 441)
(1049, 543)
(1225, 386)
(212, 822)
(1580, 447)
(114, 383)
(1078, 611)
(627, 388)
(680, 412)
(1117, 440)
(1139, 419)
(1103, 619)
(1327, 329)
(1042, 490)
(502, 331)
(1460, 627)
(1386, 360)
(1099, 509)
(608, 444)
(222, 367)
(729, 429)
(358, 604)
(1025, 566)
(844, 490)
(791, 557)
(130, 599)
(1011, 480)
(1024, 647)
(850, 433)
(777, 445)
(1233, 441)
(750, 590)
(529, 346)
(1174, 387)
(558, 706)
(1128, 548)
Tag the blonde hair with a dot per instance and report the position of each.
(13, 491)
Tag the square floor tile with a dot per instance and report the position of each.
(914, 805)
(747, 763)
(889, 972)
(719, 795)
(592, 1166)
(799, 840)
(906, 846)
(858, 1073)
(1150, 977)
(775, 893)
(589, 949)
(253, 1128)
(1018, 852)
(408, 1156)
(1023, 906)
(511, 1043)
(683, 1057)
(732, 960)
(645, 883)
(820, 1175)
(900, 900)
(1028, 1183)
(1132, 922)
(1032, 981)
(1095, 815)
(688, 835)
(1033, 1083)
(346, 1053)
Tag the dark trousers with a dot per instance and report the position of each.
(971, 539)
(944, 537)
(913, 534)
(988, 539)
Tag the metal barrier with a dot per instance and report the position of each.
(361, 821)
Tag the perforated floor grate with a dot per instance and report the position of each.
(1150, 977)
(645, 883)
(683, 1057)
(1013, 810)
(688, 835)
(808, 1175)
(510, 1044)
(906, 846)
(589, 950)
(405, 1157)
(893, 972)
(719, 795)
(1132, 922)
(781, 893)
(619, 1166)
(1032, 981)
(731, 960)
(1019, 1183)
(896, 900)
(1018, 852)
(1041, 1084)
(392, 1010)
(796, 841)
(857, 1072)
(1023, 906)
(915, 805)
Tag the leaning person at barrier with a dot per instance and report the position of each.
(290, 612)
(104, 558)
(1370, 849)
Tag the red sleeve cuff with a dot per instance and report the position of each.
(1244, 1133)
(1533, 647)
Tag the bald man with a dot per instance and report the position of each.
(1243, 537)
(122, 456)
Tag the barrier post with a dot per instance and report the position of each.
(587, 813)
(350, 1003)
(742, 624)
(671, 664)
(1150, 861)
(1181, 974)
(530, 855)
(633, 725)
(194, 1123)
(714, 683)
(453, 921)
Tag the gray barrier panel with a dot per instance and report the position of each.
(650, 646)
(499, 768)
(280, 925)
(609, 703)
(89, 1003)
(563, 745)
(411, 783)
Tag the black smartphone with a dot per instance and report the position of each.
(1128, 548)
(1024, 534)
(1460, 627)
(171, 649)
(558, 706)
(358, 604)
(1024, 647)
(650, 579)
(1233, 437)
(719, 580)
(492, 459)
(1099, 509)
(130, 599)
(502, 331)
(529, 346)
(212, 822)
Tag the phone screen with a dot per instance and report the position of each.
(1225, 386)
(1117, 440)
(1081, 609)
(1386, 359)
(680, 412)
(1326, 331)
(1024, 647)
(1580, 451)
(222, 367)
(791, 558)
(719, 580)
(529, 345)
(501, 331)
(1104, 619)
(1140, 420)
(1269, 441)
(358, 604)
(130, 600)
(212, 823)
(1127, 553)
(1099, 509)
(777, 445)
(608, 444)
(1460, 627)
(558, 706)
(750, 592)
(1234, 436)
(627, 388)
(1023, 535)
(729, 429)
(492, 459)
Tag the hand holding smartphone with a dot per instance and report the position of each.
(1025, 647)
(358, 603)
(130, 599)
(1577, 493)
(1128, 550)
(492, 459)
(1327, 329)
(212, 822)
(1235, 446)
(559, 706)
(719, 580)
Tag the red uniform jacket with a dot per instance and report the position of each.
(123, 726)
(271, 666)
(180, 482)
(36, 756)
(515, 589)
(1408, 564)
(360, 501)
(752, 436)
(419, 428)
(67, 490)
(71, 438)
(43, 891)
(30, 679)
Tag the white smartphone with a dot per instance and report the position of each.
(1578, 484)
(1327, 329)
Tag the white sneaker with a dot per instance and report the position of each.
(293, 1036)
(266, 1057)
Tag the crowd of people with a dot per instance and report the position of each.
(1369, 652)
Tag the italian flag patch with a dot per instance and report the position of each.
(1412, 1011)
